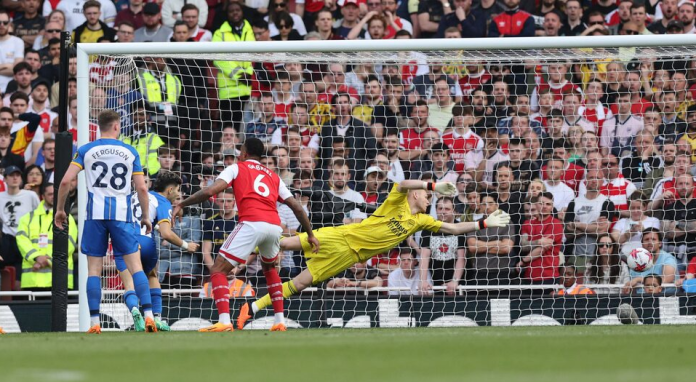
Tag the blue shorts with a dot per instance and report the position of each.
(95, 238)
(148, 255)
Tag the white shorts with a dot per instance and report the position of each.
(246, 236)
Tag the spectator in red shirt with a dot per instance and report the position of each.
(512, 23)
(133, 14)
(541, 240)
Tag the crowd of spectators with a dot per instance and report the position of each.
(591, 158)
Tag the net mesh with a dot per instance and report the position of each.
(584, 148)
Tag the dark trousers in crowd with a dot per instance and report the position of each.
(11, 255)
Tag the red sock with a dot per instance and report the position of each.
(275, 289)
(221, 292)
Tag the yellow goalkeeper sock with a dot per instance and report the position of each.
(262, 303)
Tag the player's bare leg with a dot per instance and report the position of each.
(142, 288)
(291, 244)
(299, 283)
(221, 293)
(94, 271)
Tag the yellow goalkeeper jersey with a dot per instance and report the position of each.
(391, 224)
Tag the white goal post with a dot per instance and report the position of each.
(348, 52)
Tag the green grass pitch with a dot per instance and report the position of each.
(588, 354)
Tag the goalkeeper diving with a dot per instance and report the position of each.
(401, 215)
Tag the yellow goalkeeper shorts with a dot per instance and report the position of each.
(334, 256)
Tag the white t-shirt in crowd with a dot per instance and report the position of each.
(13, 207)
(10, 50)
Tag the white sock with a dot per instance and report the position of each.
(94, 320)
(279, 318)
(254, 308)
(148, 314)
(225, 318)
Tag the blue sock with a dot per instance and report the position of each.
(142, 289)
(131, 299)
(93, 295)
(156, 294)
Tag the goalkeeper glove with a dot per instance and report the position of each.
(497, 219)
(446, 188)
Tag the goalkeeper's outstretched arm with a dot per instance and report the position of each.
(444, 188)
(496, 219)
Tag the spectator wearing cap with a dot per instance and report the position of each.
(675, 27)
(93, 29)
(513, 22)
(40, 106)
(172, 11)
(133, 14)
(686, 15)
(351, 16)
(376, 185)
(669, 11)
(152, 30)
(29, 24)
(16, 203)
(471, 23)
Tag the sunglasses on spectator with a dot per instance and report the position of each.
(53, 30)
(630, 31)
(5, 22)
(597, 23)
(280, 5)
(605, 245)
(284, 26)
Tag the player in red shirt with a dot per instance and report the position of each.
(256, 190)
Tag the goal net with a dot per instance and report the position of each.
(589, 150)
